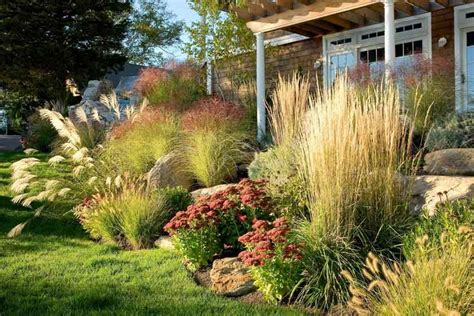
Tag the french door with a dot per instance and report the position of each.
(467, 76)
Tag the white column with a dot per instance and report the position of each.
(261, 115)
(209, 76)
(389, 14)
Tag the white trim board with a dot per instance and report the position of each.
(459, 24)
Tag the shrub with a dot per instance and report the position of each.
(277, 166)
(440, 283)
(40, 134)
(180, 88)
(455, 132)
(226, 214)
(151, 136)
(128, 214)
(274, 258)
(443, 226)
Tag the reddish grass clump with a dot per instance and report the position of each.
(148, 78)
(147, 117)
(212, 112)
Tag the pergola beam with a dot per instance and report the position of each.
(307, 13)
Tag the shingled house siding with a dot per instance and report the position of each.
(442, 25)
(301, 56)
(284, 60)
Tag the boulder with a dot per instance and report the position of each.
(230, 277)
(208, 191)
(450, 162)
(164, 242)
(428, 191)
(166, 172)
(91, 91)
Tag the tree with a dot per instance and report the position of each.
(45, 42)
(218, 35)
(152, 29)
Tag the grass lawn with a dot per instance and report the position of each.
(53, 268)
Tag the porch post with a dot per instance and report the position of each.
(389, 37)
(261, 115)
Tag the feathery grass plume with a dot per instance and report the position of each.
(289, 105)
(350, 150)
(111, 102)
(440, 281)
(30, 151)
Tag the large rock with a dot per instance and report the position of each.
(230, 277)
(430, 190)
(450, 162)
(208, 191)
(167, 172)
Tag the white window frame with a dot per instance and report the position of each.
(460, 23)
(358, 44)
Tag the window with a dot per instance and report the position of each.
(409, 48)
(340, 63)
(365, 46)
(342, 41)
(372, 35)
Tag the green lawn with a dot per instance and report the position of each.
(53, 268)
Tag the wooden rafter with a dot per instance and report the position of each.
(444, 3)
(353, 17)
(371, 15)
(345, 24)
(422, 4)
(317, 10)
(404, 7)
(328, 27)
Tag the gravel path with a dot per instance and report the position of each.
(10, 142)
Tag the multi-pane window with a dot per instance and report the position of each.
(365, 46)
(340, 63)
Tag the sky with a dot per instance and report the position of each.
(183, 12)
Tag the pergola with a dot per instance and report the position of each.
(320, 17)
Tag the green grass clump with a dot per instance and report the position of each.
(139, 148)
(54, 269)
(130, 215)
(213, 155)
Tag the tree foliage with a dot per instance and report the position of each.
(152, 29)
(45, 42)
(218, 35)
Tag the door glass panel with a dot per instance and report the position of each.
(469, 84)
(339, 63)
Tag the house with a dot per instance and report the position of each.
(325, 37)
